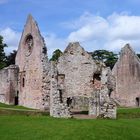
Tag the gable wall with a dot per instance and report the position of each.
(127, 73)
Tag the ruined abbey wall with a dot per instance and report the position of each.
(60, 87)
(30, 55)
(100, 103)
(8, 84)
(75, 74)
(75, 78)
(127, 73)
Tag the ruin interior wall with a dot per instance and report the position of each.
(75, 74)
(73, 80)
(77, 67)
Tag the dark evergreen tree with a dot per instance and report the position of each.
(10, 59)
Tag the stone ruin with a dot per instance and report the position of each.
(74, 82)
(127, 75)
(31, 59)
(100, 103)
(79, 80)
(8, 84)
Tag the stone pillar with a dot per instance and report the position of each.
(94, 103)
(58, 106)
(100, 103)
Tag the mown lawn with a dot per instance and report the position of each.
(13, 106)
(128, 113)
(47, 128)
(28, 127)
(10, 110)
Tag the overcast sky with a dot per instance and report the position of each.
(96, 24)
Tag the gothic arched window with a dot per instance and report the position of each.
(28, 44)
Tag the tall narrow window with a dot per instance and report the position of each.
(60, 96)
(23, 82)
(137, 101)
(16, 98)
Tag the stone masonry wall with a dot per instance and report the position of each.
(76, 77)
(77, 68)
(100, 104)
(127, 74)
(8, 84)
(30, 59)
(75, 81)
(58, 105)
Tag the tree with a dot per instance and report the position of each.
(56, 54)
(2, 53)
(138, 55)
(10, 59)
(109, 58)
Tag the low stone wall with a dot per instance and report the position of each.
(79, 103)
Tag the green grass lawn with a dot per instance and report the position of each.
(24, 127)
(47, 128)
(20, 110)
(13, 106)
(128, 113)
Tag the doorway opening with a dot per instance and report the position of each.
(69, 101)
(16, 98)
(137, 101)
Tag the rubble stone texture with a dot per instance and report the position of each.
(75, 72)
(76, 81)
(100, 104)
(30, 59)
(77, 76)
(8, 84)
(58, 105)
(127, 74)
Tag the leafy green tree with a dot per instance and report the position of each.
(109, 58)
(56, 54)
(2, 53)
(10, 59)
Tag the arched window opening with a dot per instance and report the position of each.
(29, 41)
